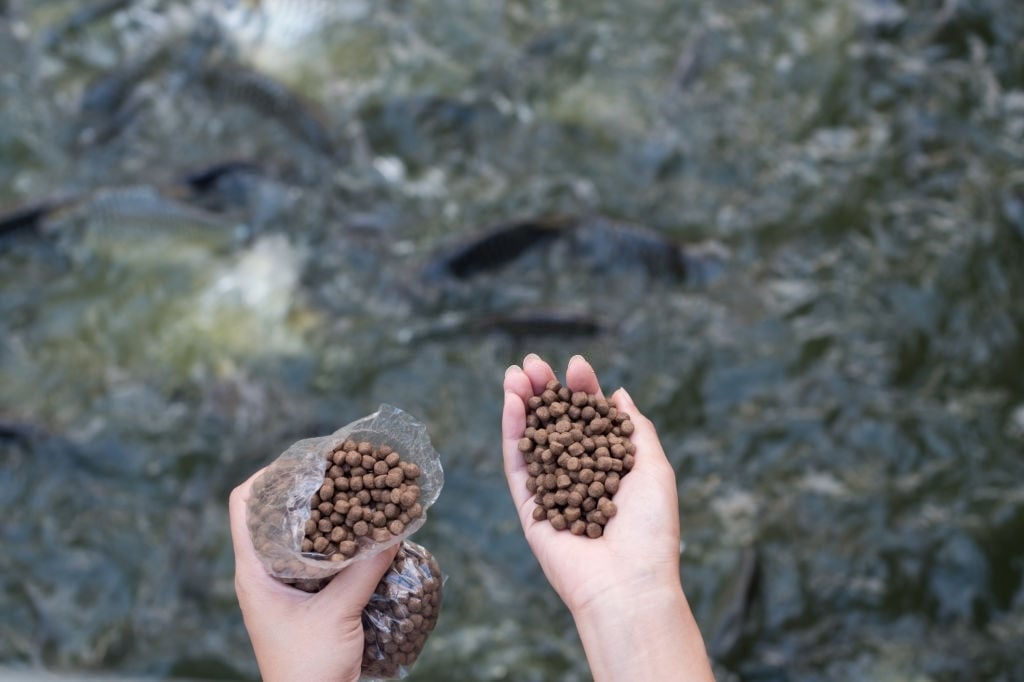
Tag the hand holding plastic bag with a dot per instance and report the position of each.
(297, 635)
(395, 614)
(279, 506)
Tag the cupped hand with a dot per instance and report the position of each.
(639, 551)
(297, 635)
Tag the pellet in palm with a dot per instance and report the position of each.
(577, 449)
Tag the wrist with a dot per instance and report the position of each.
(630, 603)
(620, 590)
(648, 633)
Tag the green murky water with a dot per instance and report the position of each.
(842, 394)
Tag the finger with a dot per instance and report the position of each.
(540, 372)
(580, 376)
(249, 572)
(349, 592)
(513, 421)
(518, 383)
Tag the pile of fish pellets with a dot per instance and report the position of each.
(577, 450)
(368, 495)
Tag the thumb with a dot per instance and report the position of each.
(350, 591)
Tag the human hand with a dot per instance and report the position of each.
(639, 549)
(622, 588)
(297, 635)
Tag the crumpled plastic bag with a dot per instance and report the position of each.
(278, 506)
(401, 614)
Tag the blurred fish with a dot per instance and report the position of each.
(110, 101)
(144, 228)
(691, 63)
(595, 242)
(146, 205)
(739, 601)
(236, 82)
(705, 262)
(79, 19)
(257, 193)
(108, 93)
(531, 324)
(19, 432)
(206, 179)
(107, 103)
(495, 247)
(606, 244)
(31, 216)
(420, 128)
(191, 197)
(222, 186)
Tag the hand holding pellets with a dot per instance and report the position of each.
(623, 588)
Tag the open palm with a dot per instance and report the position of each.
(640, 546)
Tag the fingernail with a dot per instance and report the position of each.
(628, 396)
(510, 368)
(531, 356)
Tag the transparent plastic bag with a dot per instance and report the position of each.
(401, 614)
(279, 505)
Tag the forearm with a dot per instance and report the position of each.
(653, 637)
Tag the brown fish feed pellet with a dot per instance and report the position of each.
(577, 450)
(368, 493)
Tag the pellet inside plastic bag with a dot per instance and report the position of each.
(279, 506)
(401, 614)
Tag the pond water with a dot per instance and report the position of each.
(237, 227)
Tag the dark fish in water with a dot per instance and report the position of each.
(148, 203)
(24, 217)
(78, 20)
(741, 595)
(417, 128)
(519, 324)
(108, 93)
(191, 185)
(255, 193)
(30, 217)
(539, 324)
(110, 100)
(19, 432)
(236, 82)
(690, 64)
(125, 213)
(221, 185)
(496, 247)
(596, 242)
(206, 179)
(608, 244)
(108, 103)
